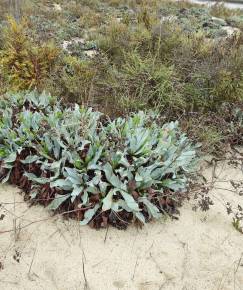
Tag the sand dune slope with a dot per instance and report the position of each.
(200, 251)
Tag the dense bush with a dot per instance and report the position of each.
(95, 169)
(170, 65)
(73, 78)
(24, 64)
(203, 73)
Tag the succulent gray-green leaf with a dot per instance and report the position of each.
(131, 203)
(76, 192)
(64, 184)
(108, 200)
(89, 214)
(30, 159)
(39, 180)
(11, 158)
(152, 209)
(140, 217)
(59, 199)
(112, 178)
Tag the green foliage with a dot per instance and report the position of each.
(185, 63)
(212, 74)
(24, 65)
(220, 10)
(146, 84)
(73, 79)
(127, 165)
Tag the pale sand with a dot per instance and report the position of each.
(200, 251)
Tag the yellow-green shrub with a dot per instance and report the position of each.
(73, 79)
(23, 63)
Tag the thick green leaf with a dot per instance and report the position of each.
(76, 192)
(33, 177)
(140, 217)
(131, 203)
(108, 200)
(152, 209)
(30, 159)
(89, 214)
(64, 184)
(11, 158)
(59, 199)
(112, 178)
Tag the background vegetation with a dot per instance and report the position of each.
(123, 56)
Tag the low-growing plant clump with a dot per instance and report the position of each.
(84, 165)
(122, 57)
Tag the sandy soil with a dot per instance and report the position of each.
(230, 4)
(200, 251)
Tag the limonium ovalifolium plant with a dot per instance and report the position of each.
(81, 163)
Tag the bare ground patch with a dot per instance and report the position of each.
(201, 250)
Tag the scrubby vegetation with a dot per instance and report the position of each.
(124, 56)
(178, 60)
(24, 64)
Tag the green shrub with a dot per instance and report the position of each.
(211, 74)
(23, 64)
(145, 83)
(219, 10)
(100, 171)
(73, 79)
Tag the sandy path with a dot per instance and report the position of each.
(230, 4)
(200, 251)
